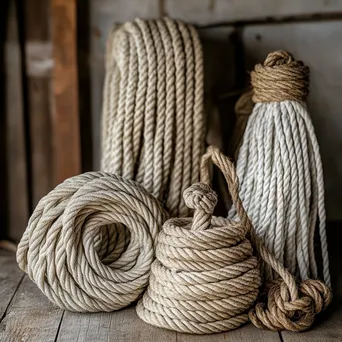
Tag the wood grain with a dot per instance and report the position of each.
(213, 11)
(120, 326)
(245, 333)
(324, 101)
(10, 278)
(38, 62)
(17, 183)
(30, 317)
(65, 128)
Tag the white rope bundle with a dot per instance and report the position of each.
(89, 243)
(153, 129)
(280, 168)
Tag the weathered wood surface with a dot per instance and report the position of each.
(10, 278)
(65, 127)
(123, 325)
(30, 316)
(17, 182)
(38, 67)
(315, 44)
(214, 11)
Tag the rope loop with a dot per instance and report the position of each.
(279, 312)
(89, 244)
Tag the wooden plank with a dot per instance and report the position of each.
(17, 186)
(120, 326)
(213, 11)
(30, 317)
(65, 128)
(39, 65)
(245, 333)
(10, 278)
(325, 101)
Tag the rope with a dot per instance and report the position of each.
(243, 109)
(76, 254)
(205, 278)
(153, 122)
(280, 168)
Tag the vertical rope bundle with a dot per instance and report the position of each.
(153, 129)
(280, 168)
(206, 279)
(89, 243)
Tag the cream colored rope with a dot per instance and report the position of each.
(89, 243)
(280, 168)
(206, 279)
(153, 129)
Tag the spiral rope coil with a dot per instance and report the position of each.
(205, 278)
(280, 168)
(89, 243)
(153, 120)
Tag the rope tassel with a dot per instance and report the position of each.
(153, 119)
(280, 168)
(206, 278)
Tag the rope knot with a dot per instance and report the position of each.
(200, 196)
(280, 78)
(280, 311)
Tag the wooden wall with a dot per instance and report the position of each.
(235, 35)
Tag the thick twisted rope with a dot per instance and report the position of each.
(280, 168)
(205, 278)
(153, 129)
(89, 243)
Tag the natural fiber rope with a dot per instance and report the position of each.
(153, 121)
(89, 243)
(243, 109)
(205, 278)
(280, 78)
(280, 168)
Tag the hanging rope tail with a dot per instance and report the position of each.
(153, 118)
(280, 168)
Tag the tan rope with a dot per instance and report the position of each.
(77, 254)
(153, 121)
(280, 78)
(280, 169)
(205, 278)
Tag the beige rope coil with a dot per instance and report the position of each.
(153, 120)
(205, 278)
(89, 243)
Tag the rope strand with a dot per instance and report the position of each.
(153, 121)
(280, 168)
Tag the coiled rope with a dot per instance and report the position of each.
(89, 243)
(205, 277)
(280, 168)
(153, 129)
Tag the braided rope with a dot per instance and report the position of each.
(89, 243)
(280, 168)
(205, 277)
(153, 122)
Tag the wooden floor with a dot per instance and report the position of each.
(26, 315)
